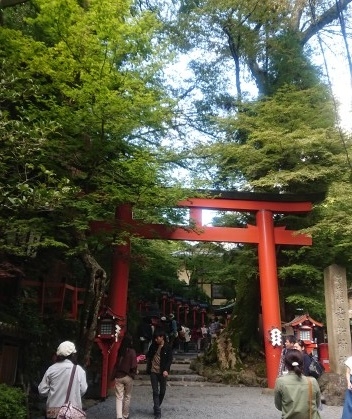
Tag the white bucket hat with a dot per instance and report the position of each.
(66, 348)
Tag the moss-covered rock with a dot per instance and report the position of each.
(242, 374)
(333, 388)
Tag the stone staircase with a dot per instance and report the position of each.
(180, 373)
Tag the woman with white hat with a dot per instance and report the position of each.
(55, 382)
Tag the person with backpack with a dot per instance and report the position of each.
(311, 366)
(300, 346)
(145, 334)
(185, 336)
(173, 331)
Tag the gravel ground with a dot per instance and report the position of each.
(202, 402)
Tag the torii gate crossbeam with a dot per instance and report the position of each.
(264, 234)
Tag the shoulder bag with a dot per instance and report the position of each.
(68, 411)
(310, 391)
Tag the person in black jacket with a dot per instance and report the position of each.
(145, 334)
(159, 359)
(300, 346)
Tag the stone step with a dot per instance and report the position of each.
(174, 377)
(179, 359)
(179, 383)
(172, 372)
(175, 369)
(182, 361)
(180, 373)
(183, 383)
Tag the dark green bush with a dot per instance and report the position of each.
(12, 403)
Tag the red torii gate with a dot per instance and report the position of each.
(264, 234)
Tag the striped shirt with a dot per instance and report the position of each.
(156, 361)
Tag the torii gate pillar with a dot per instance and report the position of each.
(120, 273)
(269, 291)
(117, 301)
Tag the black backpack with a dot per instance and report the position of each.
(178, 326)
(316, 370)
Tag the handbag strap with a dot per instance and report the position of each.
(310, 391)
(70, 383)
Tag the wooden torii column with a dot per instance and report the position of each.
(264, 234)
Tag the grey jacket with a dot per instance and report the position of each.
(55, 383)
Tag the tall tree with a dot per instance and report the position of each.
(256, 36)
(282, 140)
(83, 107)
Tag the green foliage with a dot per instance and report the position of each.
(308, 304)
(267, 40)
(287, 64)
(244, 324)
(12, 403)
(303, 288)
(205, 263)
(287, 143)
(82, 91)
(297, 274)
(333, 226)
(84, 109)
(155, 265)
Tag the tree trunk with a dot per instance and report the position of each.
(94, 298)
(227, 354)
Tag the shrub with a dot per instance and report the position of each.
(12, 403)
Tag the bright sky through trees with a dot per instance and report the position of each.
(342, 88)
(339, 76)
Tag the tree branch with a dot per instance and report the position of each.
(11, 3)
(234, 53)
(297, 12)
(321, 21)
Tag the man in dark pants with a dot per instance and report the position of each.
(159, 359)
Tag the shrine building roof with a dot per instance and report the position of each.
(300, 320)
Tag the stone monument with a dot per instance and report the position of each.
(337, 317)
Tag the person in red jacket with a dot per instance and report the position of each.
(124, 372)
